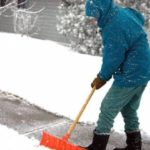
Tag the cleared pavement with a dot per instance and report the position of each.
(30, 120)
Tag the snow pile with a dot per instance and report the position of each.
(10, 139)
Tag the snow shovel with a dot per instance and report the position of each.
(53, 142)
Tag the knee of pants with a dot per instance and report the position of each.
(129, 113)
(109, 109)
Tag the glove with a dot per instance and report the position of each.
(97, 82)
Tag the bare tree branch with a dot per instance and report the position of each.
(24, 20)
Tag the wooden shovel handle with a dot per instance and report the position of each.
(73, 125)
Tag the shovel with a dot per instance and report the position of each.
(53, 142)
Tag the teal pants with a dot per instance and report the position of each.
(124, 100)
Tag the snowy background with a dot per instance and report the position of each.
(57, 79)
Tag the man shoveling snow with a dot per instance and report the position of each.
(126, 57)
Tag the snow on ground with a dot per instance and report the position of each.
(11, 140)
(53, 77)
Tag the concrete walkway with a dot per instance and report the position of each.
(30, 120)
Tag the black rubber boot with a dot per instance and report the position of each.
(99, 142)
(133, 141)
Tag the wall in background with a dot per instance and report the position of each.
(46, 22)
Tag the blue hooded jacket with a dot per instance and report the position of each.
(126, 52)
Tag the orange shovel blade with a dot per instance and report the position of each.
(53, 142)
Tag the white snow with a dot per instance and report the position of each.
(51, 76)
(11, 140)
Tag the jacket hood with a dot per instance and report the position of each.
(98, 8)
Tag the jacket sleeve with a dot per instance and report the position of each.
(114, 48)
